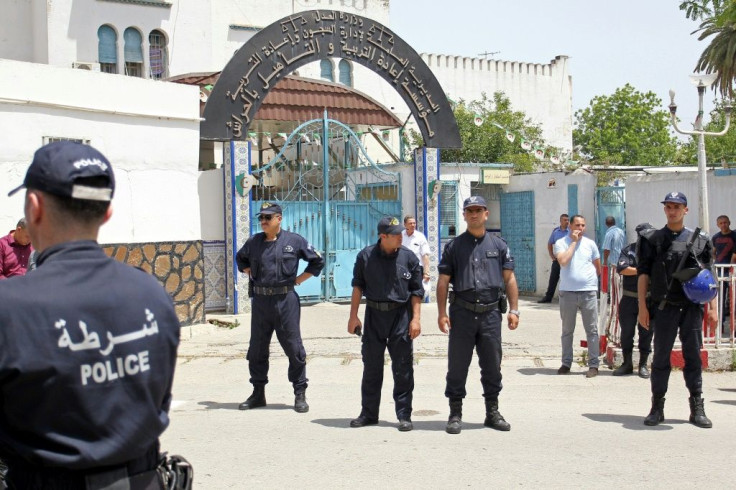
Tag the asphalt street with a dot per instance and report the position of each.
(566, 430)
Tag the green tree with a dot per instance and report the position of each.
(626, 128)
(487, 142)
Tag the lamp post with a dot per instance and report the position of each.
(702, 82)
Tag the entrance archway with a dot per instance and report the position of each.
(282, 48)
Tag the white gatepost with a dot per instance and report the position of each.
(426, 171)
(237, 166)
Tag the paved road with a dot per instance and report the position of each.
(566, 430)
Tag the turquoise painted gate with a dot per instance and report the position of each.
(336, 207)
(517, 228)
(610, 201)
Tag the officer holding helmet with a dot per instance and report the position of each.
(271, 259)
(676, 306)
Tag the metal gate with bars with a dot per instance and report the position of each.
(517, 227)
(335, 206)
(610, 201)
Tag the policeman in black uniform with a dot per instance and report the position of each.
(672, 312)
(271, 259)
(628, 310)
(478, 265)
(88, 343)
(390, 277)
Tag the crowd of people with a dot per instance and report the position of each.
(100, 338)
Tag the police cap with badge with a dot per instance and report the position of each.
(389, 225)
(474, 201)
(268, 208)
(71, 170)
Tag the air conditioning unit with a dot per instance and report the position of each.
(86, 65)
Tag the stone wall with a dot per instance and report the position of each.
(178, 266)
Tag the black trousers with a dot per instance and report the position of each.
(381, 330)
(280, 313)
(554, 278)
(628, 310)
(687, 320)
(479, 331)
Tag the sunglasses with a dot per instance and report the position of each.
(265, 217)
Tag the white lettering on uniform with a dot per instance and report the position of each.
(129, 365)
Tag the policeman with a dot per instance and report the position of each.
(478, 265)
(271, 259)
(628, 310)
(672, 312)
(96, 336)
(390, 277)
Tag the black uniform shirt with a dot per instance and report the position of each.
(628, 259)
(660, 266)
(87, 360)
(476, 265)
(388, 277)
(276, 263)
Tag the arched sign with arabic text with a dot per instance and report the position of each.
(304, 37)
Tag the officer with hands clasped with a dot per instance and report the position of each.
(88, 343)
(271, 259)
(478, 265)
(673, 310)
(390, 278)
(628, 311)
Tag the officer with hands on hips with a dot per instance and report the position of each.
(628, 311)
(88, 343)
(390, 277)
(672, 311)
(271, 259)
(478, 265)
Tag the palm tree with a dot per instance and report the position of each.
(720, 55)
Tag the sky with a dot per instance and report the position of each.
(646, 43)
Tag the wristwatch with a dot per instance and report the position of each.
(515, 312)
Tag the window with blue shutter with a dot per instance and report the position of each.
(326, 70)
(346, 73)
(133, 52)
(107, 49)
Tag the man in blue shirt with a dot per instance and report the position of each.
(613, 242)
(554, 273)
(580, 266)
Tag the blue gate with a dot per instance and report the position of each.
(336, 207)
(610, 201)
(517, 228)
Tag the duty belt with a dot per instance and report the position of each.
(384, 305)
(271, 291)
(474, 307)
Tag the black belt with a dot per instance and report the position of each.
(271, 291)
(474, 307)
(384, 305)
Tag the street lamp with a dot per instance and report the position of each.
(702, 81)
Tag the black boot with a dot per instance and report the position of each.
(455, 422)
(256, 399)
(494, 419)
(656, 414)
(697, 412)
(300, 403)
(626, 367)
(643, 370)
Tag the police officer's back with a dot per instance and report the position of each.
(89, 344)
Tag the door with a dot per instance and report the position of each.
(517, 228)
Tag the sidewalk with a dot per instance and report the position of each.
(566, 430)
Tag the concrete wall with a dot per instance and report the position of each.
(212, 204)
(645, 192)
(148, 130)
(550, 203)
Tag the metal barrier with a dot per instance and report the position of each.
(722, 336)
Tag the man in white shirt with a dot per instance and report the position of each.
(415, 241)
(580, 266)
